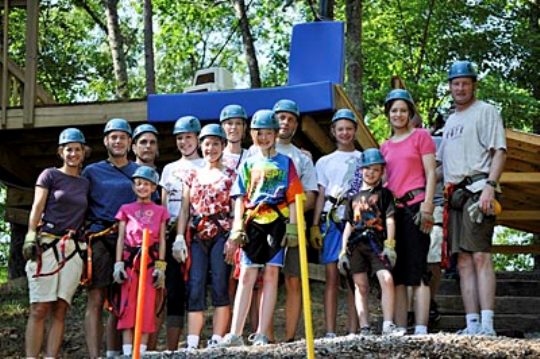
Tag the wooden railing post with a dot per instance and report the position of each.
(4, 89)
(29, 101)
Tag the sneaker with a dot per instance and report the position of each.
(467, 331)
(330, 335)
(434, 314)
(212, 343)
(366, 331)
(394, 331)
(257, 339)
(231, 340)
(487, 332)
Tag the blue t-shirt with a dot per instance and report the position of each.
(110, 188)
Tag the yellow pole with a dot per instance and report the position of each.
(140, 296)
(306, 300)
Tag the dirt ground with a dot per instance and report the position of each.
(14, 312)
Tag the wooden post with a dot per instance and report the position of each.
(29, 101)
(5, 91)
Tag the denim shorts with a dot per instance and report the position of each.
(276, 260)
(207, 259)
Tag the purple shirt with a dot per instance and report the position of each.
(66, 200)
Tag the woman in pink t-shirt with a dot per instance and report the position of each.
(410, 171)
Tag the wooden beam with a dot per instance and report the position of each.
(516, 249)
(363, 135)
(17, 215)
(14, 164)
(4, 90)
(80, 114)
(316, 134)
(19, 197)
(520, 136)
(29, 101)
(13, 3)
(19, 74)
(521, 215)
(520, 177)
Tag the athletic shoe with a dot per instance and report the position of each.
(330, 335)
(487, 332)
(231, 340)
(257, 339)
(366, 331)
(467, 331)
(394, 331)
(212, 343)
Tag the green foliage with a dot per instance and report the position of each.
(512, 262)
(4, 233)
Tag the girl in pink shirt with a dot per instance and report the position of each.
(410, 170)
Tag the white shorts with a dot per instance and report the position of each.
(61, 285)
(436, 236)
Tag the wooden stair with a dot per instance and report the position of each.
(517, 304)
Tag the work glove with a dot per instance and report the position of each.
(315, 237)
(291, 236)
(179, 249)
(344, 264)
(475, 212)
(424, 218)
(238, 235)
(119, 273)
(389, 251)
(30, 246)
(159, 274)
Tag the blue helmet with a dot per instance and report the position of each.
(117, 124)
(145, 127)
(344, 114)
(462, 69)
(212, 129)
(71, 135)
(147, 173)
(399, 94)
(286, 105)
(187, 124)
(372, 156)
(232, 111)
(264, 119)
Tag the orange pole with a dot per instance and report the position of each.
(140, 296)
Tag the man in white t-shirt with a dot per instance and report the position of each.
(473, 154)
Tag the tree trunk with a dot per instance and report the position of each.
(249, 45)
(116, 43)
(326, 9)
(149, 48)
(16, 261)
(355, 72)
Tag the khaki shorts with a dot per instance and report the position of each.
(61, 285)
(467, 236)
(364, 260)
(436, 237)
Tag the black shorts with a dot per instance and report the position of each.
(364, 260)
(103, 258)
(412, 247)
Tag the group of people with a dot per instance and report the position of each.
(226, 222)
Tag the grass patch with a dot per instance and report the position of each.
(3, 275)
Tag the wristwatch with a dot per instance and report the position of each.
(492, 183)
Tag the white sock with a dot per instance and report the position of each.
(487, 319)
(473, 322)
(112, 353)
(127, 348)
(193, 341)
(420, 329)
(142, 349)
(386, 324)
(218, 338)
